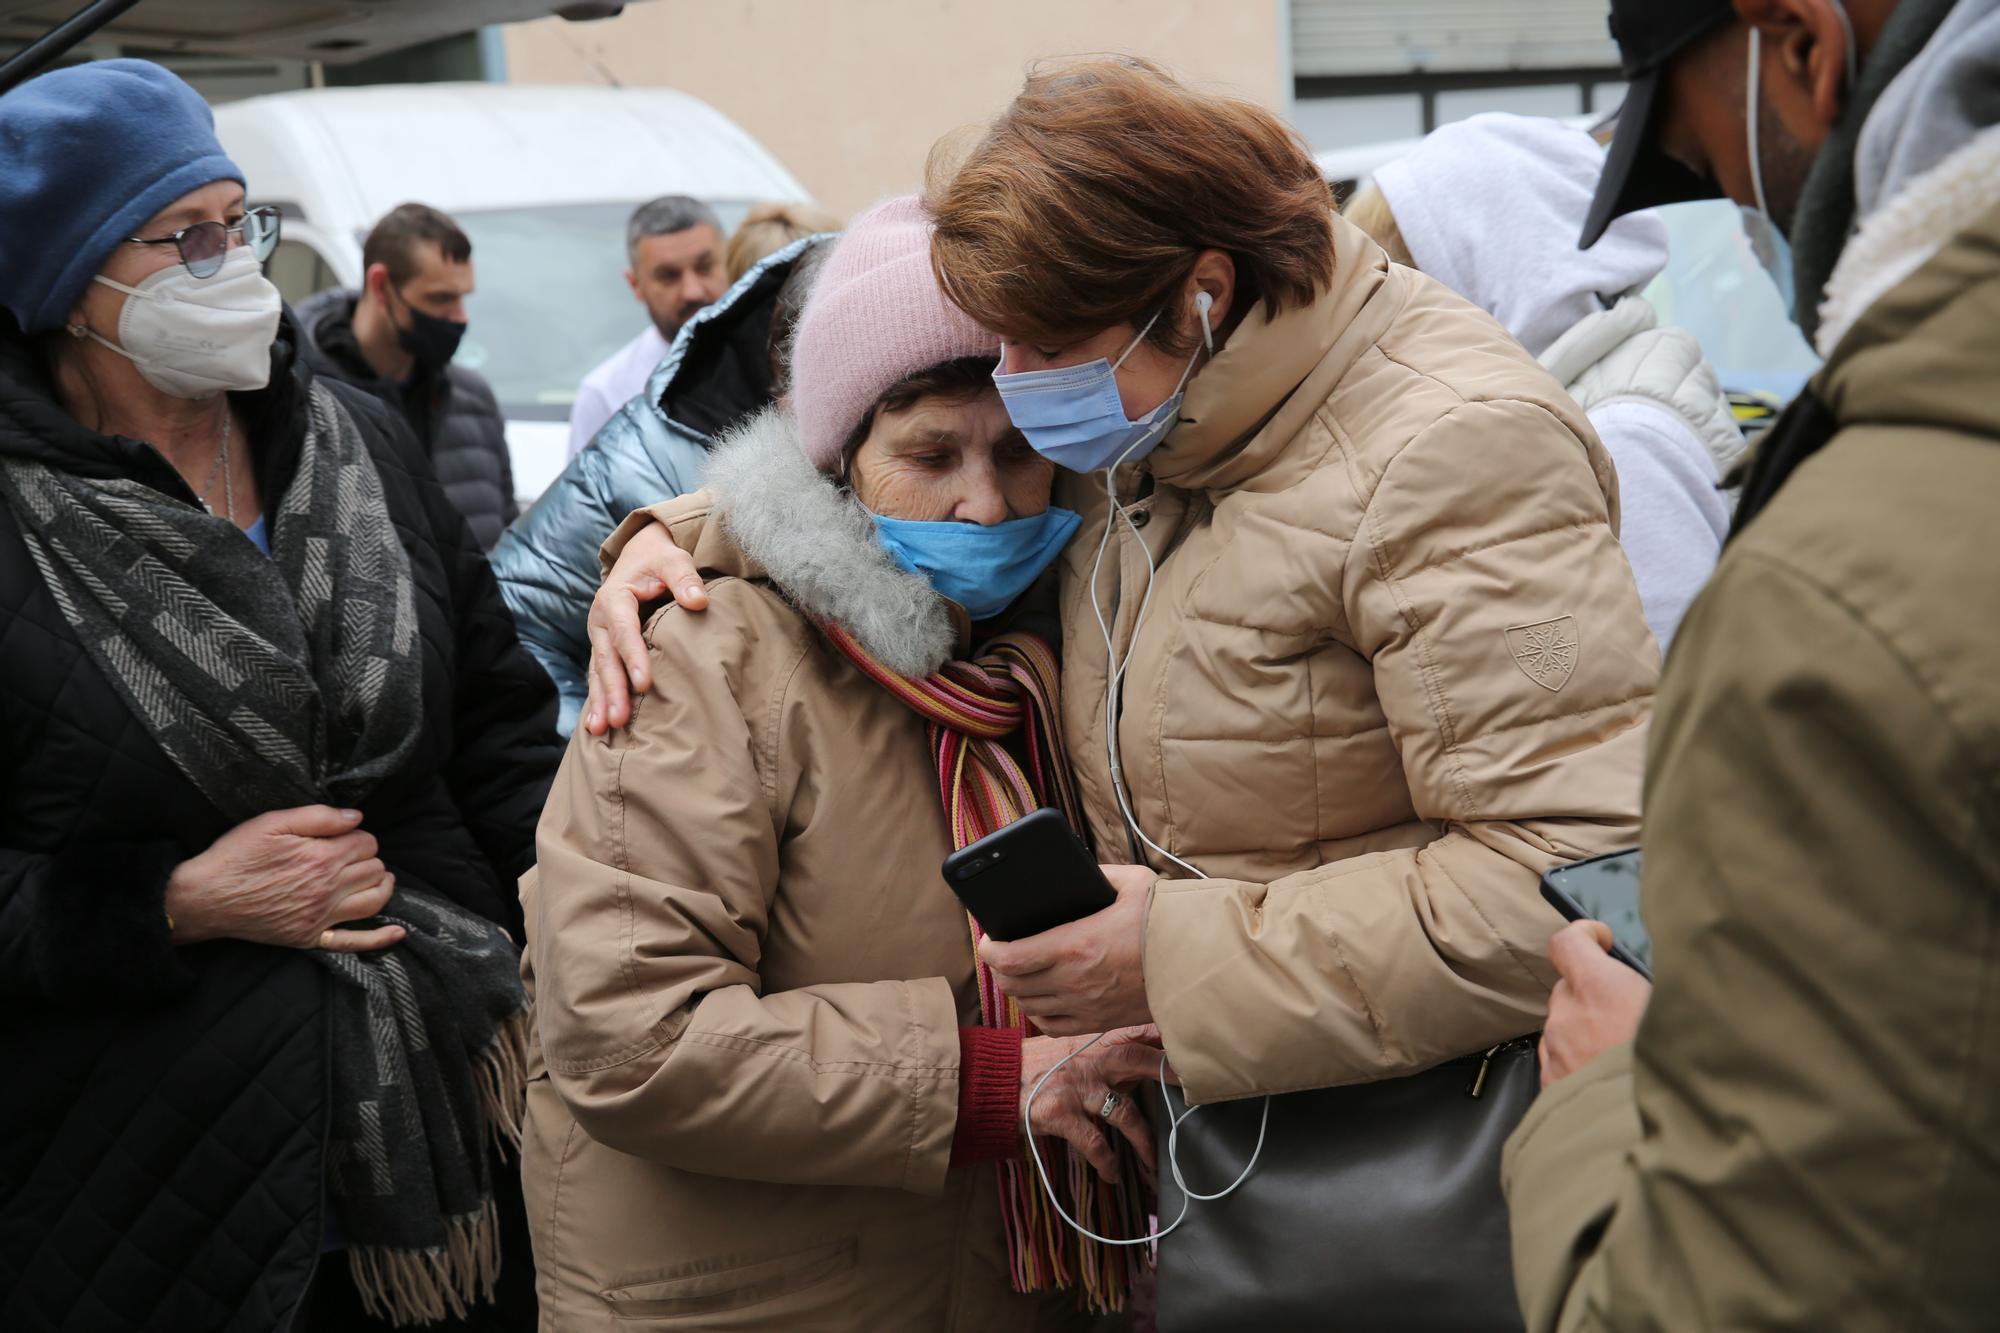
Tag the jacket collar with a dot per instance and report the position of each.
(1896, 239)
(1920, 355)
(326, 338)
(793, 525)
(717, 370)
(1247, 407)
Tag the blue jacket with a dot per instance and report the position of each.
(656, 447)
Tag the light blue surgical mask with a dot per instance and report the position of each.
(1073, 416)
(1773, 253)
(982, 568)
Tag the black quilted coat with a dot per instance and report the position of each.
(454, 415)
(163, 1110)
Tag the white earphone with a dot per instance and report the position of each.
(1203, 303)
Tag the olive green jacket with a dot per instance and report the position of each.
(1806, 1132)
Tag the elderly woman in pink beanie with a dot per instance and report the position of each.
(772, 1087)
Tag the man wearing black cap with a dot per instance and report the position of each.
(1687, 129)
(1796, 1127)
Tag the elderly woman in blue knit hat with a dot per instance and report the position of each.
(270, 762)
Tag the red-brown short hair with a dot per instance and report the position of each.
(1087, 202)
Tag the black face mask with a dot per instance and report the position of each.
(430, 341)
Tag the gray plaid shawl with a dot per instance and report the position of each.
(287, 681)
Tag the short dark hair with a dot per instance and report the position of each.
(665, 216)
(954, 381)
(394, 241)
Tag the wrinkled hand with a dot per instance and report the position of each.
(649, 565)
(287, 878)
(1597, 1004)
(1086, 976)
(1068, 1106)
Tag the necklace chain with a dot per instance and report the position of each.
(221, 464)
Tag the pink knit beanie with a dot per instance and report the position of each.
(875, 316)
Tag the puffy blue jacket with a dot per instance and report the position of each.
(716, 373)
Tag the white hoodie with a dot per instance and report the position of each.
(1492, 207)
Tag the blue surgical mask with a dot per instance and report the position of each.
(1073, 416)
(982, 568)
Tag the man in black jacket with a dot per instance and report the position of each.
(395, 338)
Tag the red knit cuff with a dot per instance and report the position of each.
(989, 1095)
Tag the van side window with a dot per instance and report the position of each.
(297, 271)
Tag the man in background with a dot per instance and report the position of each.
(395, 338)
(674, 246)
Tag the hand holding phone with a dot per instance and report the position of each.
(1605, 888)
(1028, 877)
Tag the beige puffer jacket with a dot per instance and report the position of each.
(748, 974)
(1392, 668)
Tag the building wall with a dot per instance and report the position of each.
(851, 95)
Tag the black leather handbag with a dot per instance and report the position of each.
(1374, 1207)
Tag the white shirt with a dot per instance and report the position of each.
(613, 384)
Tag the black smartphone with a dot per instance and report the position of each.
(1028, 877)
(1605, 888)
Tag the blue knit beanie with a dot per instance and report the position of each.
(87, 154)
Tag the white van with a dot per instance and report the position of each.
(542, 179)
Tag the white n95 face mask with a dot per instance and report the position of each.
(196, 337)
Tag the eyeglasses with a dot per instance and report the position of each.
(205, 245)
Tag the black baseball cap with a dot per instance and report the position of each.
(1637, 174)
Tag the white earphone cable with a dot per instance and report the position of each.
(1175, 1121)
(1113, 685)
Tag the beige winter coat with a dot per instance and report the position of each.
(748, 974)
(1393, 667)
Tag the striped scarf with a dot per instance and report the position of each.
(971, 707)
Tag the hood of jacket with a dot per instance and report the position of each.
(1528, 181)
(547, 561)
(326, 319)
(1922, 351)
(795, 526)
(1938, 102)
(1933, 209)
(718, 370)
(326, 332)
(1911, 324)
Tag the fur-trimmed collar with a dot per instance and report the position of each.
(1896, 239)
(816, 543)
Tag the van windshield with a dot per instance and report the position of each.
(551, 301)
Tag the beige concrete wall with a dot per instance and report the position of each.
(850, 94)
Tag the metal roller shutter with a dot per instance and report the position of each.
(1378, 37)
